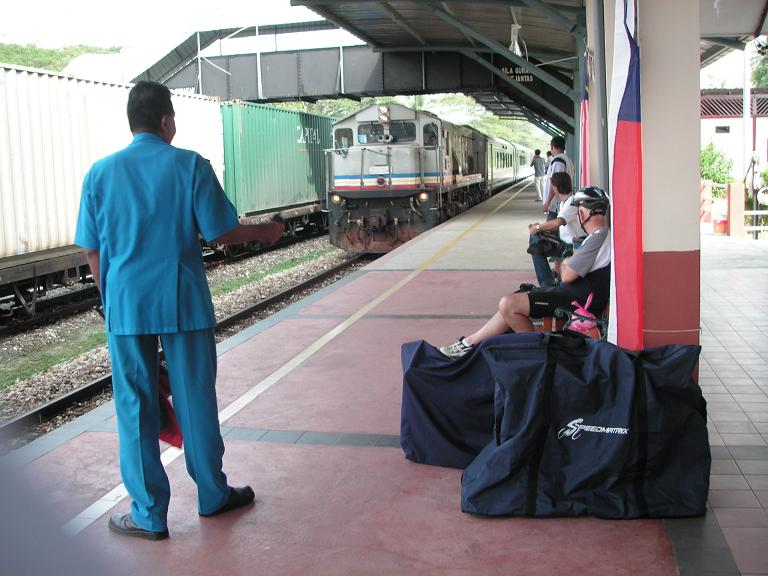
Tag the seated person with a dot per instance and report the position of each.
(567, 222)
(587, 271)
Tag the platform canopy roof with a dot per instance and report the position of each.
(725, 24)
(548, 35)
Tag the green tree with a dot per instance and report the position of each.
(760, 71)
(715, 165)
(448, 106)
(51, 59)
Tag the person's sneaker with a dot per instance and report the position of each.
(455, 350)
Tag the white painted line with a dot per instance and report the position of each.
(111, 498)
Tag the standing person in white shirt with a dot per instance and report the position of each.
(560, 163)
(539, 174)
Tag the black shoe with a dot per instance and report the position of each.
(124, 525)
(238, 497)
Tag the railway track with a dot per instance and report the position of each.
(50, 309)
(53, 408)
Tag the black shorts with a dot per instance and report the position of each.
(544, 301)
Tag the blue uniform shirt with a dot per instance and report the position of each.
(142, 209)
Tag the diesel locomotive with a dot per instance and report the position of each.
(394, 172)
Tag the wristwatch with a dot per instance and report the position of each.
(538, 227)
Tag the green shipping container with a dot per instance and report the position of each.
(273, 158)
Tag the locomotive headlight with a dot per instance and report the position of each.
(423, 196)
(335, 198)
(380, 181)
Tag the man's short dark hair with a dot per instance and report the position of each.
(562, 182)
(537, 152)
(148, 102)
(558, 142)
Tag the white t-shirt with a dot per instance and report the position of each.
(563, 164)
(572, 228)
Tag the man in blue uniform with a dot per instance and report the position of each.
(141, 211)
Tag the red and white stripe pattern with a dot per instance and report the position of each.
(625, 147)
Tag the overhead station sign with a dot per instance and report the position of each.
(518, 74)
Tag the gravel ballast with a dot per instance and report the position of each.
(27, 394)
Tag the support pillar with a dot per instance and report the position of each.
(669, 56)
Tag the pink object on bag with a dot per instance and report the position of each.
(579, 325)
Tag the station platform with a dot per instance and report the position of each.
(309, 403)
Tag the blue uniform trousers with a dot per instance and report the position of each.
(191, 358)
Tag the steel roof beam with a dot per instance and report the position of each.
(761, 21)
(733, 43)
(564, 8)
(502, 51)
(519, 87)
(542, 124)
(316, 7)
(574, 28)
(467, 36)
(538, 55)
(400, 21)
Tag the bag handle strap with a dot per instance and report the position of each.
(543, 431)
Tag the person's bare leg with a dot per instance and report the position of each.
(514, 309)
(495, 326)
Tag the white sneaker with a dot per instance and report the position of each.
(455, 350)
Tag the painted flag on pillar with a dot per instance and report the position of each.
(584, 180)
(625, 147)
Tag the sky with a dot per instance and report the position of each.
(57, 23)
(148, 29)
(727, 72)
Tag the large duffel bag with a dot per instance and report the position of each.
(583, 427)
(447, 411)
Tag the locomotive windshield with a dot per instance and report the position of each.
(369, 132)
(342, 138)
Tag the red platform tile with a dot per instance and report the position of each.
(247, 364)
(349, 298)
(435, 292)
(346, 510)
(71, 475)
(353, 384)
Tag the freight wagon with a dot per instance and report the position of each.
(53, 127)
(275, 163)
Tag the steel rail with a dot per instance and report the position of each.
(54, 407)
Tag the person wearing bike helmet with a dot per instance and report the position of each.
(587, 272)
